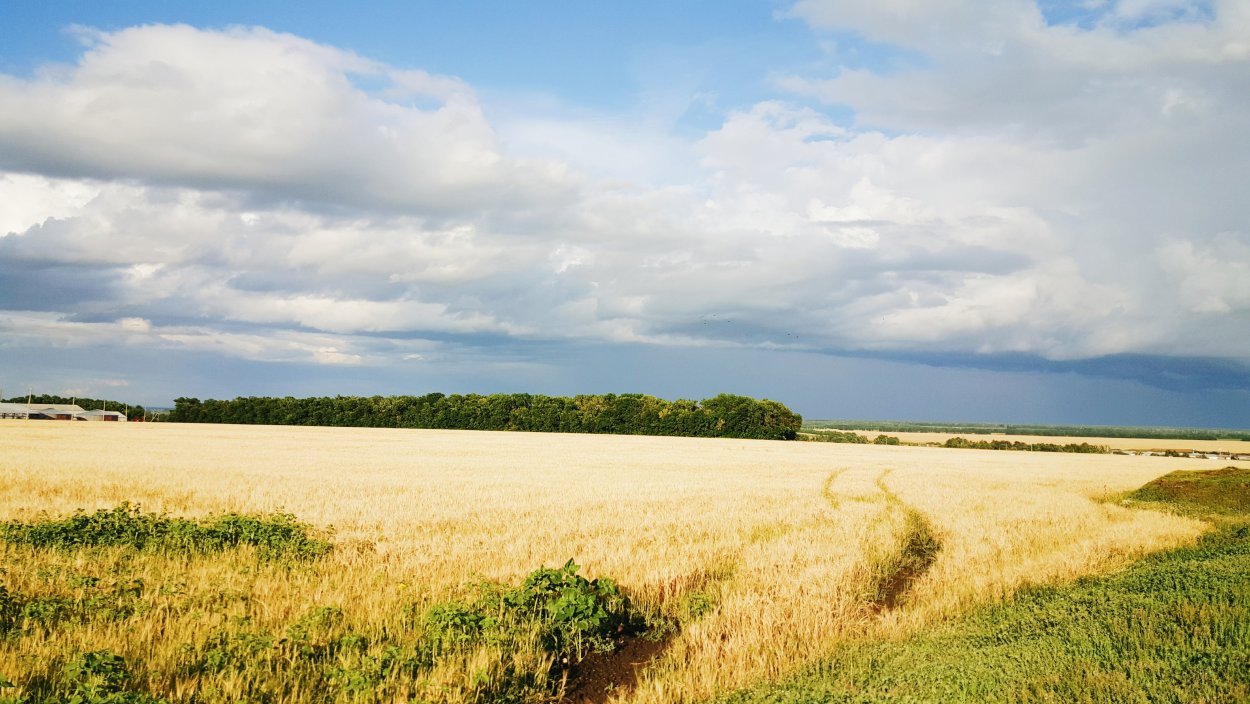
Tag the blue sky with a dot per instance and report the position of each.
(990, 211)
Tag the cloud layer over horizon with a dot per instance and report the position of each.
(1010, 186)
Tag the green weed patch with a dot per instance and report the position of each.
(95, 677)
(92, 601)
(275, 536)
(569, 616)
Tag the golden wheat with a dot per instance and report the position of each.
(786, 541)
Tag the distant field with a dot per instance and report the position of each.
(760, 556)
(1067, 431)
(1235, 446)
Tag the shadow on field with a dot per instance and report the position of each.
(918, 553)
(601, 676)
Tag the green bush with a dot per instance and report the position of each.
(576, 614)
(569, 615)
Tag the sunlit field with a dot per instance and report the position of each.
(761, 556)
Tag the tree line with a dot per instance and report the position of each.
(846, 436)
(725, 415)
(839, 436)
(1082, 448)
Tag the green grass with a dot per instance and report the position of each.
(1173, 627)
(1223, 491)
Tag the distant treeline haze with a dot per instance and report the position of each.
(725, 415)
(1097, 431)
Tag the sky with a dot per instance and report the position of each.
(973, 210)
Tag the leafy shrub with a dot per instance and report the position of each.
(576, 614)
(568, 615)
(275, 536)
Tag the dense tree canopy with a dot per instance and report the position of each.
(725, 415)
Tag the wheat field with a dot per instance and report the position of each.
(786, 543)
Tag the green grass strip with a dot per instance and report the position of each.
(1217, 491)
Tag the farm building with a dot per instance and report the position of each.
(101, 415)
(56, 411)
(14, 410)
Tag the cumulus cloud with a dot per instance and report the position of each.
(54, 330)
(1067, 192)
(268, 113)
(1116, 142)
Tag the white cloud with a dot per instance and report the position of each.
(341, 315)
(135, 324)
(29, 200)
(1214, 278)
(1075, 195)
(35, 329)
(271, 113)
